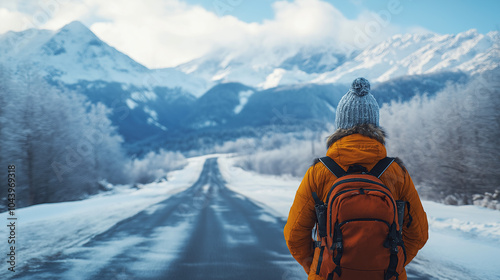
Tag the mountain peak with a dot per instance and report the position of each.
(494, 35)
(471, 31)
(468, 34)
(75, 27)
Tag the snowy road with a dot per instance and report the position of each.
(198, 226)
(205, 232)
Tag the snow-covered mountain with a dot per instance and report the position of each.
(73, 54)
(265, 69)
(401, 55)
(218, 95)
(153, 100)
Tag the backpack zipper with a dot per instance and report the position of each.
(330, 206)
(365, 220)
(355, 180)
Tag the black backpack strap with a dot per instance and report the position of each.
(381, 166)
(393, 241)
(410, 218)
(333, 166)
(321, 214)
(317, 201)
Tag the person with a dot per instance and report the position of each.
(358, 140)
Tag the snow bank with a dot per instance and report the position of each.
(48, 229)
(273, 192)
(466, 237)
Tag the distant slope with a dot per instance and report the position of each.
(219, 105)
(291, 105)
(401, 55)
(404, 88)
(404, 55)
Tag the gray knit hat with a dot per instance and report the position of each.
(357, 106)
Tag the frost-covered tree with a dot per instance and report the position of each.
(278, 153)
(450, 143)
(61, 144)
(4, 96)
(102, 144)
(155, 165)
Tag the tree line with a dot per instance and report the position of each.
(450, 142)
(63, 146)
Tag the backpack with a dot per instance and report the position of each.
(359, 228)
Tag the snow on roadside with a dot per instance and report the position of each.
(466, 237)
(469, 221)
(48, 229)
(464, 241)
(275, 192)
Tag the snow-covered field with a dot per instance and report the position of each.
(48, 229)
(466, 238)
(463, 237)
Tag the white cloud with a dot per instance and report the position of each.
(11, 20)
(163, 33)
(168, 35)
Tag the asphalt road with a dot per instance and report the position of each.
(205, 232)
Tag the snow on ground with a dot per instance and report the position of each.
(48, 229)
(465, 238)
(273, 192)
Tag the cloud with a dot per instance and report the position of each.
(11, 20)
(164, 33)
(170, 34)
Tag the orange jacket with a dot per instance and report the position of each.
(347, 151)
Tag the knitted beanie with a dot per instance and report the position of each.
(357, 106)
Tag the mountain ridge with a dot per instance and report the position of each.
(226, 95)
(401, 55)
(74, 53)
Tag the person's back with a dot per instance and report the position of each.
(358, 140)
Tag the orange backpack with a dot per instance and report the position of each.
(359, 233)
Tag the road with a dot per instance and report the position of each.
(205, 232)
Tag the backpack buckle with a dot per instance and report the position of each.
(394, 250)
(357, 169)
(339, 246)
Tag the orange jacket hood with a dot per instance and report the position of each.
(356, 149)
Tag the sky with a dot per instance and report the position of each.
(440, 16)
(166, 33)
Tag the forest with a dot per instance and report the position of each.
(63, 146)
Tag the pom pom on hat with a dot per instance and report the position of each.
(360, 87)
